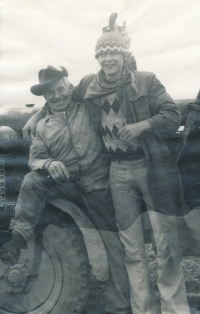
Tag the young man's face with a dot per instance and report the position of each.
(112, 65)
(59, 95)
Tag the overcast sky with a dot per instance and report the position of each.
(36, 33)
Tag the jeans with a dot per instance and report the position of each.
(128, 181)
(97, 205)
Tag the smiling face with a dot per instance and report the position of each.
(59, 95)
(112, 65)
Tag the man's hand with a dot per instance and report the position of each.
(58, 171)
(30, 127)
(131, 131)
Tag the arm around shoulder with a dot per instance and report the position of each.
(81, 88)
(39, 152)
(30, 127)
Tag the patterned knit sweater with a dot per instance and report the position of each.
(113, 119)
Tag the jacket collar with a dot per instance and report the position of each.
(134, 82)
(71, 110)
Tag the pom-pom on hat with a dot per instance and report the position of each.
(47, 77)
(112, 42)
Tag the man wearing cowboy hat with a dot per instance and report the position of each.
(66, 159)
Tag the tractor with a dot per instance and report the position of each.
(64, 267)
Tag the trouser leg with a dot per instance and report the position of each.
(127, 203)
(100, 211)
(192, 221)
(117, 286)
(170, 281)
(35, 189)
(142, 292)
(30, 204)
(170, 271)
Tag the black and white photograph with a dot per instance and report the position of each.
(100, 157)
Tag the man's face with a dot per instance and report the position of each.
(112, 65)
(59, 95)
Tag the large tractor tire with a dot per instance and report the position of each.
(51, 276)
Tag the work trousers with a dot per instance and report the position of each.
(128, 181)
(97, 205)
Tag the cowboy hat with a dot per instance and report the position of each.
(47, 77)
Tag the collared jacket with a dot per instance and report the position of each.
(75, 142)
(145, 98)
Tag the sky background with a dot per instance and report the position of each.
(35, 33)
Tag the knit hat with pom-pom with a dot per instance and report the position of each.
(112, 42)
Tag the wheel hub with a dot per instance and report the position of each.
(22, 285)
(18, 275)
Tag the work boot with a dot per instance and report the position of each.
(10, 251)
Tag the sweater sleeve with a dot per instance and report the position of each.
(166, 116)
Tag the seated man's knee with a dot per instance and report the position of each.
(33, 178)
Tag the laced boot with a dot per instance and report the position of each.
(10, 251)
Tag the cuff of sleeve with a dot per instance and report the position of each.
(79, 169)
(46, 165)
(153, 124)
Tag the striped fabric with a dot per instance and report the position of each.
(110, 42)
(111, 48)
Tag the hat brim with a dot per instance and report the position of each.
(40, 88)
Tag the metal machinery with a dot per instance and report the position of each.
(58, 271)
(54, 272)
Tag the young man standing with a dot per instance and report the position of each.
(136, 114)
